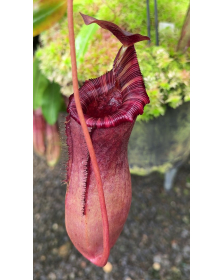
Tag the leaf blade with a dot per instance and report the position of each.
(46, 13)
(82, 41)
(51, 103)
(40, 83)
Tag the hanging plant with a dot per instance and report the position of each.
(101, 116)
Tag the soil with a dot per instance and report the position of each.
(155, 241)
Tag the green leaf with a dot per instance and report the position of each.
(40, 83)
(165, 85)
(51, 103)
(82, 41)
(46, 13)
(85, 36)
(174, 100)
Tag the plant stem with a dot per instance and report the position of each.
(106, 244)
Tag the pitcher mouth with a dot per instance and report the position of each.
(116, 97)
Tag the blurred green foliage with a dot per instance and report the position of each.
(166, 73)
(52, 103)
(167, 79)
(40, 83)
(46, 13)
(46, 95)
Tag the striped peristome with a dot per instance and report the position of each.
(125, 78)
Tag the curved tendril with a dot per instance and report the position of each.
(101, 261)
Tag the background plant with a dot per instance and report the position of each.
(167, 79)
(47, 99)
(165, 72)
